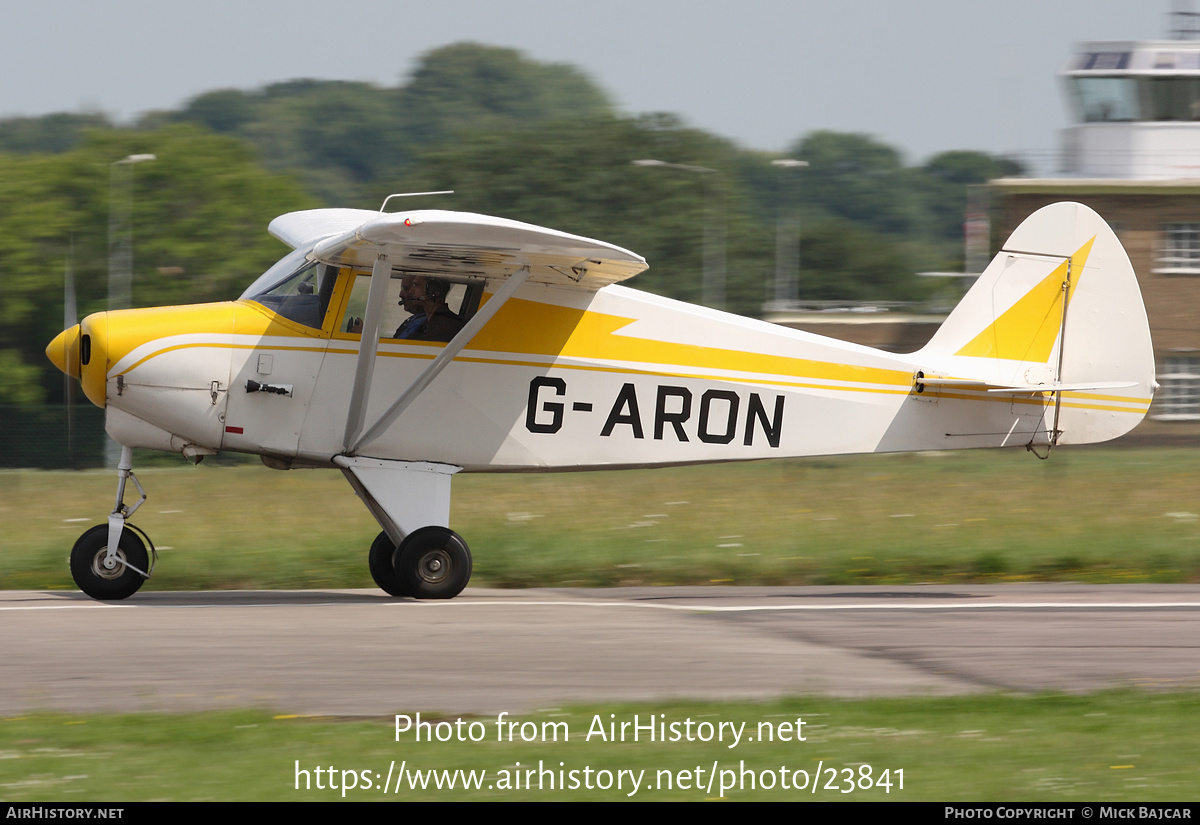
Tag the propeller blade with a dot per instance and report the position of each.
(70, 313)
(70, 319)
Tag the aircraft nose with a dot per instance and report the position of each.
(63, 351)
(92, 357)
(79, 352)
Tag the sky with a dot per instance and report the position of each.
(924, 76)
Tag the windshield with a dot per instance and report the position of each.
(286, 265)
(296, 288)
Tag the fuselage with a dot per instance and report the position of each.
(559, 378)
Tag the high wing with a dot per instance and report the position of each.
(457, 245)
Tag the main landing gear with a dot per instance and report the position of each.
(411, 500)
(109, 562)
(430, 563)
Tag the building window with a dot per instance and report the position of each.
(1178, 397)
(1106, 99)
(1179, 252)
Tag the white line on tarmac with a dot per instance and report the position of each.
(687, 608)
(702, 608)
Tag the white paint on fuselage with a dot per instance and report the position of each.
(501, 410)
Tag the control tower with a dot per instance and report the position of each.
(1133, 155)
(1136, 107)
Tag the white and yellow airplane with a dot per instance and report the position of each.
(552, 365)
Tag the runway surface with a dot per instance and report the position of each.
(359, 653)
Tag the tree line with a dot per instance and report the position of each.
(513, 137)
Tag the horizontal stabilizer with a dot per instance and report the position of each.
(1084, 387)
(1016, 389)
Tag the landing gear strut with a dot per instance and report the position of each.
(109, 561)
(411, 501)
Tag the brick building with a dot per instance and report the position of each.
(1133, 155)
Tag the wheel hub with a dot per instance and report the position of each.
(434, 566)
(101, 565)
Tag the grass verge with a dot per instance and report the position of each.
(1095, 515)
(1113, 746)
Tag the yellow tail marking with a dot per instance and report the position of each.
(1027, 330)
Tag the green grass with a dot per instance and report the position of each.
(1116, 746)
(1089, 515)
(1085, 515)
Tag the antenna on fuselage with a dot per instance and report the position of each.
(412, 195)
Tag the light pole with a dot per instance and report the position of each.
(120, 252)
(713, 277)
(787, 239)
(120, 231)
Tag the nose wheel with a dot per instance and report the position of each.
(109, 577)
(431, 563)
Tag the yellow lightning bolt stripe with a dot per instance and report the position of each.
(531, 328)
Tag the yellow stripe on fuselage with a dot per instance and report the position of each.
(521, 328)
(131, 328)
(1070, 399)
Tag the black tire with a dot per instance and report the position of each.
(87, 569)
(382, 569)
(433, 563)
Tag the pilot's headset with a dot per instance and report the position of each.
(436, 289)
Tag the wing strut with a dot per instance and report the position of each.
(364, 370)
(447, 355)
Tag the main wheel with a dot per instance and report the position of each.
(382, 569)
(99, 582)
(433, 563)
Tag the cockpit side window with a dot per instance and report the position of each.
(461, 301)
(303, 296)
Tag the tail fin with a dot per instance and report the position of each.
(1057, 322)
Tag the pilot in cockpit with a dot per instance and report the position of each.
(431, 319)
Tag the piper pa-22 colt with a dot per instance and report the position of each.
(547, 363)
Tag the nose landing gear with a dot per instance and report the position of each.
(109, 562)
